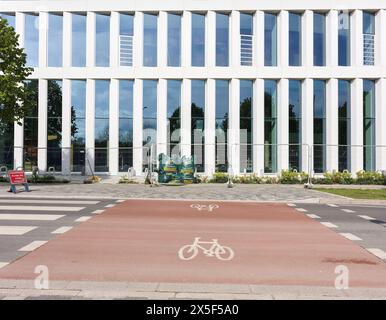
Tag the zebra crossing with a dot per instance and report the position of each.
(27, 224)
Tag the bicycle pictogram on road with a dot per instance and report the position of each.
(190, 251)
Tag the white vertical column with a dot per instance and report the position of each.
(90, 42)
(114, 39)
(137, 125)
(356, 38)
(90, 126)
(210, 127)
(210, 39)
(162, 124)
(356, 125)
(234, 126)
(234, 40)
(308, 38)
(307, 124)
(19, 129)
(258, 41)
(114, 127)
(162, 39)
(42, 125)
(332, 38)
(332, 126)
(380, 124)
(186, 39)
(380, 43)
(258, 126)
(138, 39)
(66, 127)
(67, 39)
(283, 38)
(186, 124)
(43, 39)
(283, 125)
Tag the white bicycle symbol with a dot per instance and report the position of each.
(190, 251)
(204, 207)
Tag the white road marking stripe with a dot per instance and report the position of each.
(378, 252)
(351, 236)
(313, 216)
(367, 218)
(47, 201)
(82, 219)
(29, 217)
(33, 246)
(40, 208)
(332, 205)
(329, 225)
(120, 201)
(301, 210)
(110, 206)
(3, 264)
(348, 210)
(15, 230)
(98, 211)
(291, 204)
(61, 230)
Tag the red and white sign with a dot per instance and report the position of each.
(17, 177)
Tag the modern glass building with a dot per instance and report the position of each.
(248, 86)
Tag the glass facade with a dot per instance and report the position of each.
(319, 39)
(150, 40)
(79, 26)
(102, 104)
(31, 39)
(55, 40)
(198, 40)
(344, 39)
(102, 41)
(174, 40)
(369, 125)
(246, 39)
(246, 125)
(270, 39)
(270, 126)
(125, 125)
(295, 39)
(54, 125)
(319, 126)
(149, 119)
(368, 38)
(10, 19)
(173, 117)
(295, 125)
(344, 127)
(198, 124)
(222, 40)
(222, 125)
(126, 34)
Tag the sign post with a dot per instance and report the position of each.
(17, 177)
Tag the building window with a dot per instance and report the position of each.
(319, 39)
(174, 40)
(246, 39)
(369, 125)
(54, 125)
(10, 19)
(149, 120)
(31, 128)
(344, 129)
(174, 117)
(295, 125)
(102, 41)
(295, 39)
(102, 105)
(270, 126)
(125, 125)
(150, 40)
(126, 34)
(222, 40)
(368, 38)
(198, 124)
(198, 40)
(319, 126)
(31, 39)
(78, 125)
(55, 40)
(222, 123)
(79, 25)
(270, 39)
(246, 141)
(344, 39)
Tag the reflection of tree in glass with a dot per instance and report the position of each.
(54, 111)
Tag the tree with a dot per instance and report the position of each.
(15, 98)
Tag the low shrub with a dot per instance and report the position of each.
(247, 179)
(293, 177)
(126, 180)
(219, 177)
(364, 177)
(92, 179)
